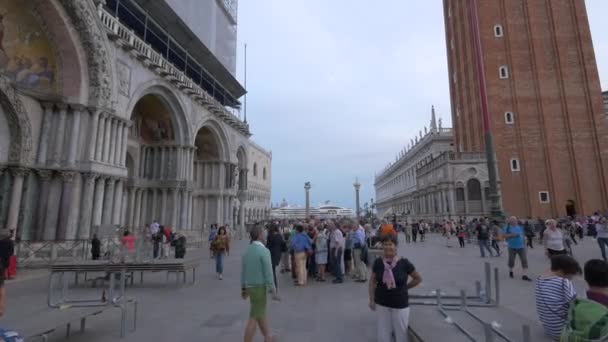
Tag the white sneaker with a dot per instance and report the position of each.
(221, 277)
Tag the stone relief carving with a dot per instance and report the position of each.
(20, 151)
(124, 78)
(84, 18)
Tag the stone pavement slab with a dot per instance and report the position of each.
(212, 309)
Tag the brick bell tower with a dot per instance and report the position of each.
(545, 102)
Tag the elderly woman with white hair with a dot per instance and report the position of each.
(553, 239)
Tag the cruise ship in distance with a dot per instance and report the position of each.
(298, 212)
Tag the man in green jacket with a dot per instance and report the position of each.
(256, 280)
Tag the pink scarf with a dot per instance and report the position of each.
(388, 278)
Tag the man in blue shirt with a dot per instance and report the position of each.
(301, 247)
(514, 234)
(359, 246)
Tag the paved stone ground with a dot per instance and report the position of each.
(212, 310)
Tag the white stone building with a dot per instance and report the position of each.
(120, 112)
(259, 185)
(428, 181)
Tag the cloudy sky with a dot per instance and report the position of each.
(337, 88)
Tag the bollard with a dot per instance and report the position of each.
(488, 333)
(463, 300)
(526, 332)
(478, 288)
(488, 284)
(496, 286)
(439, 298)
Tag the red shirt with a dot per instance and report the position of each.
(598, 297)
(129, 242)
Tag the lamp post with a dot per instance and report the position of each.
(307, 188)
(495, 210)
(357, 186)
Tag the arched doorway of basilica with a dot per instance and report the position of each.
(213, 178)
(570, 208)
(158, 164)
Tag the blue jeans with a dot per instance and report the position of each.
(603, 242)
(483, 245)
(219, 263)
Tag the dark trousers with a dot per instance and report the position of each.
(414, 236)
(274, 274)
(337, 264)
(530, 241)
(496, 246)
(155, 249)
(603, 242)
(461, 241)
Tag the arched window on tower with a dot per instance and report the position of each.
(498, 32)
(255, 169)
(503, 72)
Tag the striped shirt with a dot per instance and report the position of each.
(553, 297)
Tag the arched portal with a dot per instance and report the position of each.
(214, 176)
(157, 155)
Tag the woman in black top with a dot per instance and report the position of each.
(276, 245)
(388, 291)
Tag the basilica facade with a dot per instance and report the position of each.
(112, 113)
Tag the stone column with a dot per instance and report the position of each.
(86, 211)
(154, 204)
(163, 163)
(163, 206)
(483, 200)
(206, 215)
(137, 211)
(60, 134)
(125, 143)
(44, 176)
(74, 135)
(242, 218)
(131, 207)
(145, 206)
(44, 142)
(112, 144)
(174, 207)
(92, 133)
(118, 144)
(190, 212)
(184, 211)
(142, 161)
(16, 192)
(106, 139)
(52, 211)
(108, 201)
(65, 206)
(218, 214)
(100, 188)
(117, 210)
(466, 200)
(99, 141)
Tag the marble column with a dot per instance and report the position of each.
(93, 124)
(220, 210)
(174, 207)
(119, 142)
(106, 139)
(131, 207)
(117, 210)
(99, 141)
(52, 211)
(112, 144)
(144, 206)
(60, 135)
(206, 215)
(86, 211)
(483, 200)
(137, 211)
(108, 201)
(125, 143)
(142, 161)
(16, 192)
(65, 205)
(163, 206)
(183, 210)
(74, 135)
(45, 178)
(466, 201)
(45, 141)
(163, 163)
(100, 188)
(242, 218)
(190, 212)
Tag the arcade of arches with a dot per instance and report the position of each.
(72, 159)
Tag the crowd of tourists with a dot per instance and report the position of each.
(320, 249)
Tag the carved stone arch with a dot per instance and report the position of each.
(179, 119)
(222, 138)
(20, 149)
(85, 20)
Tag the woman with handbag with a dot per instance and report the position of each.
(301, 247)
(220, 247)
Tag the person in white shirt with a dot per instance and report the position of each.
(553, 239)
(336, 246)
(601, 230)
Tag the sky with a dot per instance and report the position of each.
(336, 88)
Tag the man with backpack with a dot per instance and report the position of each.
(588, 318)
